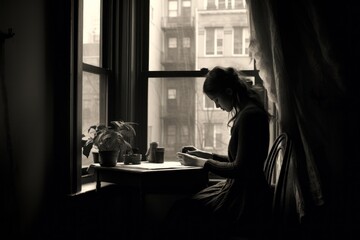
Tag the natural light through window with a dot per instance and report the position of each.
(187, 36)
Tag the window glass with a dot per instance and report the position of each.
(171, 93)
(210, 41)
(221, 4)
(202, 34)
(172, 42)
(184, 125)
(90, 106)
(219, 41)
(186, 42)
(91, 32)
(173, 6)
(94, 76)
(238, 43)
(198, 37)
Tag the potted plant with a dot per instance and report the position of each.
(114, 140)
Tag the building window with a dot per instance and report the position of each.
(221, 4)
(171, 93)
(214, 41)
(229, 4)
(171, 100)
(211, 5)
(241, 40)
(186, 42)
(173, 8)
(172, 42)
(186, 8)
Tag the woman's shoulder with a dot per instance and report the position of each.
(252, 108)
(252, 113)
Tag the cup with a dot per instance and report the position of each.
(159, 155)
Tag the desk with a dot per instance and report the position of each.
(153, 177)
(144, 178)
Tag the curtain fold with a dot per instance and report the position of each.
(299, 65)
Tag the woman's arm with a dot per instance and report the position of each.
(190, 160)
(248, 147)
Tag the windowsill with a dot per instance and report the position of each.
(90, 187)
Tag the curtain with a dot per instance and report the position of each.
(301, 49)
(8, 183)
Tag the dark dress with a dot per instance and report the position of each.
(241, 204)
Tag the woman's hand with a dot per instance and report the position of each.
(196, 152)
(201, 153)
(185, 149)
(190, 160)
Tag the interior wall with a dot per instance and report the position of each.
(29, 112)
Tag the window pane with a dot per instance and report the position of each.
(91, 32)
(90, 106)
(238, 40)
(210, 41)
(198, 35)
(173, 8)
(184, 123)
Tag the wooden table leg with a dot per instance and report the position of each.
(98, 182)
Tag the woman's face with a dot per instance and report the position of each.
(223, 100)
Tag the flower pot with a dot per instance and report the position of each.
(108, 158)
(134, 158)
(121, 156)
(95, 157)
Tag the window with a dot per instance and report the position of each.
(173, 8)
(186, 8)
(172, 42)
(221, 4)
(133, 69)
(241, 39)
(171, 93)
(210, 4)
(186, 42)
(214, 41)
(94, 74)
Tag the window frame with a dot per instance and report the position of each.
(127, 24)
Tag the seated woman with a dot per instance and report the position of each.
(240, 205)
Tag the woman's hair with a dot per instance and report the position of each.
(220, 78)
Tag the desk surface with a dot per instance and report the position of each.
(145, 167)
(153, 176)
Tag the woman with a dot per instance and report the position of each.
(241, 204)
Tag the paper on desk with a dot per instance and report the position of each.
(147, 165)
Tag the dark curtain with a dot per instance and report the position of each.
(307, 53)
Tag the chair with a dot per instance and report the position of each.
(279, 151)
(281, 173)
(276, 170)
